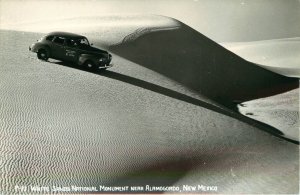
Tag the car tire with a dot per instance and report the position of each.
(42, 54)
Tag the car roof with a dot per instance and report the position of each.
(65, 34)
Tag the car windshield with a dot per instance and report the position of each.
(77, 42)
(82, 42)
(43, 37)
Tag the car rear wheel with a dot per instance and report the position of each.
(43, 55)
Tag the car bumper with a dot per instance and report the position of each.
(105, 62)
(106, 66)
(32, 48)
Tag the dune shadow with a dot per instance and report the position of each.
(190, 58)
(179, 96)
(182, 97)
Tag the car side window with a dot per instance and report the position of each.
(49, 38)
(71, 43)
(59, 40)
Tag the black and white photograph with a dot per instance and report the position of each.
(149, 96)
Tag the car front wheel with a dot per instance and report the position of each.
(42, 55)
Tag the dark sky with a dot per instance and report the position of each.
(221, 20)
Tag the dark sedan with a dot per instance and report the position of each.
(73, 48)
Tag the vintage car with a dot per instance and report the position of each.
(73, 48)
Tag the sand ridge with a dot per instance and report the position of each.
(278, 55)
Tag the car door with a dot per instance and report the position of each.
(72, 50)
(58, 50)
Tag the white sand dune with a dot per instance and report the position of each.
(131, 125)
(281, 56)
(199, 63)
(280, 111)
(140, 37)
(278, 55)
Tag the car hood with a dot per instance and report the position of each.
(95, 50)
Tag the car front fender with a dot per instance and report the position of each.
(85, 57)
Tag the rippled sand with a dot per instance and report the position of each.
(64, 126)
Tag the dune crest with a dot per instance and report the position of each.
(278, 55)
(143, 31)
(188, 57)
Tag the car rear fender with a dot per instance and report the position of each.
(39, 46)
